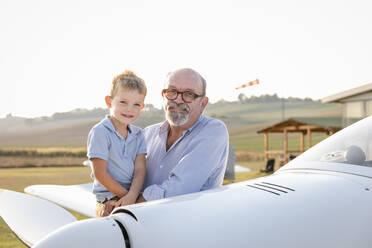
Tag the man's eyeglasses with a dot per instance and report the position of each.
(187, 96)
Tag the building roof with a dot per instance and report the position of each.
(299, 125)
(347, 93)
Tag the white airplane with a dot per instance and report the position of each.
(323, 198)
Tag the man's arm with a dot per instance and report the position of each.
(99, 167)
(137, 182)
(203, 162)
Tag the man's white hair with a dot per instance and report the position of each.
(202, 80)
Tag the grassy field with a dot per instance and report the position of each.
(248, 145)
(18, 178)
(41, 157)
(24, 162)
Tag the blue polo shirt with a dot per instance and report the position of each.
(195, 162)
(106, 143)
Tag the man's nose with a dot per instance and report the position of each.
(179, 98)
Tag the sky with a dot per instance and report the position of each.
(56, 56)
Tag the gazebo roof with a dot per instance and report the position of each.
(300, 125)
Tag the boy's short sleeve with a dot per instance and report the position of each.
(141, 148)
(98, 144)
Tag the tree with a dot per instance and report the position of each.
(242, 98)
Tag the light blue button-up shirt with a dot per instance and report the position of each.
(195, 162)
(106, 143)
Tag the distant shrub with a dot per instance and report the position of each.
(249, 156)
(35, 153)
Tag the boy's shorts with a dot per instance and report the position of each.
(104, 208)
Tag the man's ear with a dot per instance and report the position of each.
(204, 103)
(108, 101)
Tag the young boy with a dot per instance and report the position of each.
(116, 148)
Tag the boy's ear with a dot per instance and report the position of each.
(108, 101)
(142, 106)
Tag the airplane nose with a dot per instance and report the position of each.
(91, 233)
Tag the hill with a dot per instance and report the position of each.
(243, 118)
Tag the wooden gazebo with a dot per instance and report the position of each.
(293, 126)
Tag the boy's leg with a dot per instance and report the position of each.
(100, 209)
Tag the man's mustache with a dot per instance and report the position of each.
(181, 106)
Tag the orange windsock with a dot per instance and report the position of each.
(248, 84)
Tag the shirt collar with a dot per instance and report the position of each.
(131, 128)
(108, 124)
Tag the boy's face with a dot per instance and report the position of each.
(126, 105)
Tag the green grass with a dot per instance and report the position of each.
(43, 152)
(18, 179)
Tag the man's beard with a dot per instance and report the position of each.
(177, 118)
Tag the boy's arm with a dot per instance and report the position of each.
(137, 182)
(101, 174)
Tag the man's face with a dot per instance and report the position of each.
(178, 112)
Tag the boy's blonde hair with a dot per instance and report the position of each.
(128, 80)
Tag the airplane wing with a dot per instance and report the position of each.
(78, 198)
(21, 212)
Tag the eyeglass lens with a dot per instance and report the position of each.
(187, 96)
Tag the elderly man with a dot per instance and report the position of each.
(188, 152)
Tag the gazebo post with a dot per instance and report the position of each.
(266, 139)
(308, 137)
(285, 145)
(302, 142)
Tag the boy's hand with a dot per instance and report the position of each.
(128, 199)
(108, 207)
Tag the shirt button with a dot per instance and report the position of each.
(161, 166)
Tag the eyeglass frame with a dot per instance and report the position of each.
(164, 91)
